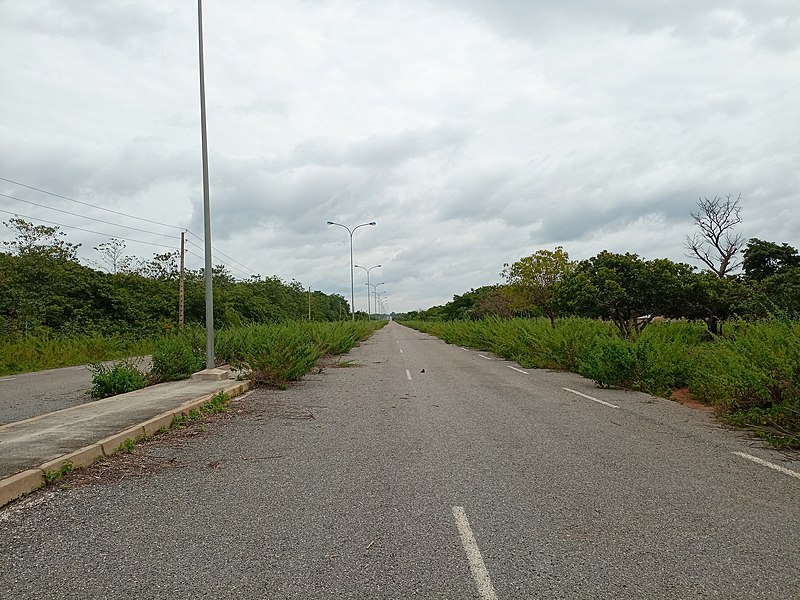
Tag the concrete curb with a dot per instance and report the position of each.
(23, 483)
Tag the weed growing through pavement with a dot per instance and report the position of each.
(344, 364)
(53, 475)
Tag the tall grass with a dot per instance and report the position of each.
(24, 354)
(751, 375)
(276, 354)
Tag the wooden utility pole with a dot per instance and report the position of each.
(180, 288)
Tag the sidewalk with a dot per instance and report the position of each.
(82, 434)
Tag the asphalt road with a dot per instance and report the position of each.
(468, 480)
(32, 394)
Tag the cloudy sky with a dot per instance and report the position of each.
(474, 132)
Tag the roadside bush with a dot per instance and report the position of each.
(610, 362)
(178, 355)
(118, 378)
(756, 365)
(277, 354)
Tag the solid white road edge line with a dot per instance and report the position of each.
(408, 374)
(765, 463)
(518, 370)
(479, 572)
(590, 398)
(7, 379)
(486, 357)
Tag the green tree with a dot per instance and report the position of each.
(764, 259)
(113, 258)
(39, 240)
(714, 300)
(534, 281)
(626, 289)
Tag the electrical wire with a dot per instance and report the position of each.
(30, 187)
(82, 229)
(66, 212)
(43, 191)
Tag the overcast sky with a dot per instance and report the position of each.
(474, 132)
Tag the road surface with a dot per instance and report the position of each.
(29, 395)
(423, 470)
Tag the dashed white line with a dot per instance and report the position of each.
(590, 398)
(765, 463)
(7, 379)
(401, 350)
(479, 571)
(486, 357)
(518, 370)
(408, 374)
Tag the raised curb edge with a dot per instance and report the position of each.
(25, 482)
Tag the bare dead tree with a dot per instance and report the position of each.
(716, 244)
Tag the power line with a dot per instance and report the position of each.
(66, 212)
(246, 275)
(248, 270)
(82, 229)
(43, 191)
(30, 187)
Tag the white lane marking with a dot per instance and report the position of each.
(479, 572)
(398, 341)
(7, 378)
(401, 350)
(486, 357)
(518, 370)
(408, 374)
(590, 398)
(765, 463)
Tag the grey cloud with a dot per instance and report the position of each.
(535, 21)
(111, 23)
(380, 151)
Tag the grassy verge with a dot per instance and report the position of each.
(751, 375)
(277, 354)
(36, 353)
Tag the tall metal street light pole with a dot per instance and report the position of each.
(352, 282)
(206, 203)
(369, 310)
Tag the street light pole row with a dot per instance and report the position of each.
(369, 310)
(374, 291)
(352, 280)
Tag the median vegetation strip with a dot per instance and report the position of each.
(266, 354)
(751, 375)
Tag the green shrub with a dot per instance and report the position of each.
(756, 365)
(610, 362)
(276, 354)
(118, 378)
(178, 355)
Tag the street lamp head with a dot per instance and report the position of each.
(331, 223)
(372, 223)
